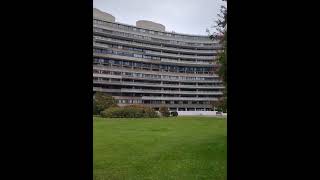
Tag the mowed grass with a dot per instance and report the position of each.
(162, 148)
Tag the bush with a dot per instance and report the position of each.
(164, 111)
(102, 101)
(174, 113)
(150, 113)
(220, 105)
(129, 112)
(95, 111)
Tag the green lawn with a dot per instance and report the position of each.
(169, 148)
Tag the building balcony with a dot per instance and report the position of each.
(173, 62)
(154, 47)
(160, 72)
(187, 62)
(154, 79)
(173, 105)
(123, 83)
(125, 90)
(208, 40)
(178, 98)
(131, 37)
(209, 58)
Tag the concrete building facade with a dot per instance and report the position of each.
(144, 64)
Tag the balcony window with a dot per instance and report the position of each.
(137, 55)
(117, 73)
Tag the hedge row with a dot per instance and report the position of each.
(129, 112)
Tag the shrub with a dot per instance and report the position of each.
(164, 111)
(111, 112)
(220, 105)
(103, 101)
(133, 111)
(174, 113)
(150, 113)
(95, 111)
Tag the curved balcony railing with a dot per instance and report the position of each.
(180, 56)
(129, 56)
(148, 39)
(209, 59)
(171, 91)
(125, 90)
(179, 98)
(156, 84)
(193, 39)
(171, 105)
(132, 70)
(156, 78)
(138, 44)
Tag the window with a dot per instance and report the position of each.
(137, 55)
(137, 49)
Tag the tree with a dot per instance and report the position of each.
(95, 111)
(221, 35)
(102, 101)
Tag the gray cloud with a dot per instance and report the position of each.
(183, 16)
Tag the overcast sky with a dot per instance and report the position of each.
(181, 16)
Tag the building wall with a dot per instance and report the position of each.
(146, 65)
(150, 25)
(103, 15)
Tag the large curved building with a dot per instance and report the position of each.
(144, 64)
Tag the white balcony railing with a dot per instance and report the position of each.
(112, 82)
(154, 46)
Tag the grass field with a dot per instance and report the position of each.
(171, 148)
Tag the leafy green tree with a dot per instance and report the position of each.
(95, 111)
(102, 101)
(221, 35)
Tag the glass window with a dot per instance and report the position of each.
(137, 55)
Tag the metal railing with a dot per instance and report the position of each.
(117, 27)
(179, 55)
(146, 38)
(111, 82)
(154, 46)
(179, 98)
